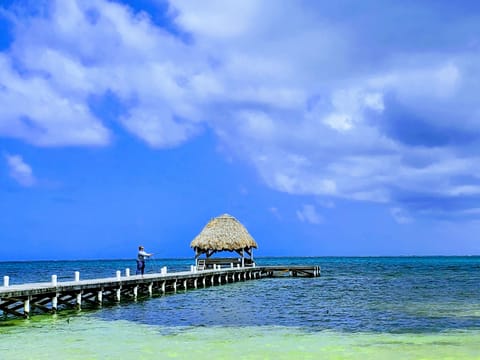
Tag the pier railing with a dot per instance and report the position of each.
(49, 297)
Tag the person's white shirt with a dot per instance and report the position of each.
(142, 254)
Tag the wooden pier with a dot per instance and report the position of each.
(49, 297)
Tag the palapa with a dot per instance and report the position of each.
(223, 233)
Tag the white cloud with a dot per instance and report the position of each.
(400, 215)
(216, 18)
(425, 82)
(30, 109)
(275, 212)
(157, 128)
(309, 214)
(20, 171)
(340, 122)
(349, 107)
(314, 103)
(328, 204)
(118, 53)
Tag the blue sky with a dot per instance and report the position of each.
(326, 128)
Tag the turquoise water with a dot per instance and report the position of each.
(359, 308)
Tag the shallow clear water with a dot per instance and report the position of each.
(86, 337)
(358, 308)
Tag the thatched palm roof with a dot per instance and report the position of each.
(223, 233)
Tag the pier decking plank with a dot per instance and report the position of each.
(36, 296)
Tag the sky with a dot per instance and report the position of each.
(327, 128)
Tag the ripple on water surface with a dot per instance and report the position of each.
(359, 308)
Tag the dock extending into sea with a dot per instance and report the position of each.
(49, 297)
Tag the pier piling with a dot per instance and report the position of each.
(78, 301)
(53, 296)
(54, 303)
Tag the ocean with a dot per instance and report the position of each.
(360, 308)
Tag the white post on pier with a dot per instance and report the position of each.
(99, 297)
(6, 281)
(118, 294)
(127, 272)
(55, 303)
(119, 274)
(135, 293)
(26, 307)
(77, 276)
(79, 300)
(55, 297)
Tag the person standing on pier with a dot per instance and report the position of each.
(141, 259)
